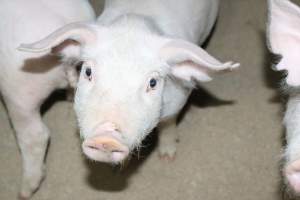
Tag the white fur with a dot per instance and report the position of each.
(191, 20)
(26, 80)
(132, 42)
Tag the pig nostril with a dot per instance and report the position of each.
(93, 147)
(104, 147)
(117, 129)
(117, 151)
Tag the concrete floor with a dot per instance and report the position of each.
(228, 150)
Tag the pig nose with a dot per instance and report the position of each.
(105, 146)
(105, 149)
(292, 173)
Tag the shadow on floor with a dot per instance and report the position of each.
(56, 96)
(273, 79)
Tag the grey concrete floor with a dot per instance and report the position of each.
(228, 150)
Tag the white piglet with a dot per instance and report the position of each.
(284, 40)
(140, 63)
(26, 80)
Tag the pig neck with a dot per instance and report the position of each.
(137, 22)
(145, 22)
(190, 20)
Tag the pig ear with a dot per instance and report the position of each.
(190, 62)
(284, 37)
(80, 32)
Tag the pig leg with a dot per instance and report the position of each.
(292, 153)
(32, 137)
(167, 139)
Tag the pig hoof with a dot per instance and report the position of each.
(167, 158)
(27, 192)
(167, 153)
(23, 197)
(31, 184)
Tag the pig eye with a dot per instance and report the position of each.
(88, 73)
(152, 84)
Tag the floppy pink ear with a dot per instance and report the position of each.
(82, 33)
(284, 37)
(189, 61)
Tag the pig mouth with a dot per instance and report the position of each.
(105, 148)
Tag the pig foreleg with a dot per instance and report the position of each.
(32, 136)
(167, 139)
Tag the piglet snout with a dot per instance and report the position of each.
(105, 145)
(292, 173)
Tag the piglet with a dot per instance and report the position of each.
(26, 80)
(284, 40)
(140, 63)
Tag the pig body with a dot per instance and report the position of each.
(284, 37)
(27, 80)
(140, 63)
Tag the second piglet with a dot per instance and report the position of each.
(140, 64)
(284, 40)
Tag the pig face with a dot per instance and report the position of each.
(119, 98)
(120, 90)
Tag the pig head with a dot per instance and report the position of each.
(128, 67)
